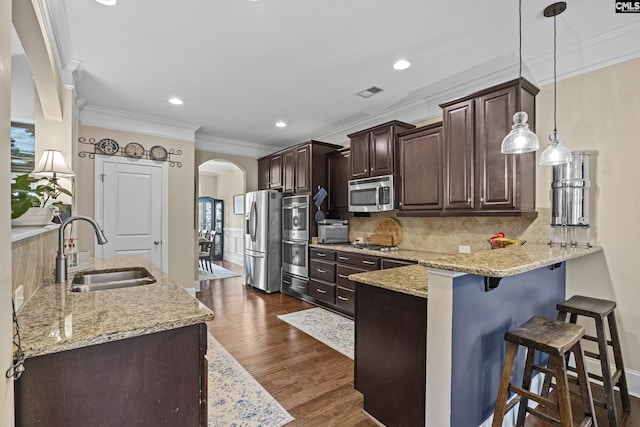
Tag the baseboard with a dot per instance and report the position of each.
(236, 258)
(192, 291)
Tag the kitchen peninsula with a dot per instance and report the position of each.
(471, 301)
(120, 355)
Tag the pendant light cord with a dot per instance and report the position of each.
(519, 97)
(555, 92)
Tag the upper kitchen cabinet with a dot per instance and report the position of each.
(338, 171)
(263, 173)
(478, 178)
(420, 162)
(270, 172)
(304, 167)
(373, 149)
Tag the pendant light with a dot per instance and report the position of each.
(556, 152)
(520, 139)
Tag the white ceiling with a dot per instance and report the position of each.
(240, 66)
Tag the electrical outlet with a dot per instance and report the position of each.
(359, 239)
(464, 249)
(18, 297)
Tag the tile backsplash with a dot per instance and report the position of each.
(445, 234)
(33, 261)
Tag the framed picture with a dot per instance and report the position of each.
(238, 204)
(23, 147)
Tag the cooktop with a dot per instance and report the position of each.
(372, 247)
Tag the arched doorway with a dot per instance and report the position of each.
(221, 180)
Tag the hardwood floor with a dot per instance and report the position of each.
(313, 382)
(309, 379)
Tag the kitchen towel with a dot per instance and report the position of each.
(320, 196)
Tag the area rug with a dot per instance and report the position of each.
(235, 397)
(330, 328)
(218, 273)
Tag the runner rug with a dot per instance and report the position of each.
(235, 397)
(218, 273)
(330, 328)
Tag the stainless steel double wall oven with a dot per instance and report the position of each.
(295, 243)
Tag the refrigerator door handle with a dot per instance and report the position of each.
(255, 256)
(254, 223)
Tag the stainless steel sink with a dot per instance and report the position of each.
(96, 280)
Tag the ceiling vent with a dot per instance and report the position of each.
(369, 92)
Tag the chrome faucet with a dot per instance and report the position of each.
(61, 259)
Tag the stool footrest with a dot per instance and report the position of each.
(590, 338)
(616, 377)
(512, 402)
(592, 354)
(544, 370)
(532, 396)
(544, 416)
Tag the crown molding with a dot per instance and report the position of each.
(137, 123)
(216, 144)
(57, 26)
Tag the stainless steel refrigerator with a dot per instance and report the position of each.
(262, 240)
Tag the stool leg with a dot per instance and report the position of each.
(564, 399)
(583, 382)
(546, 385)
(505, 380)
(609, 394)
(526, 384)
(617, 355)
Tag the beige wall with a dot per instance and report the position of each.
(181, 197)
(6, 326)
(247, 165)
(224, 187)
(598, 112)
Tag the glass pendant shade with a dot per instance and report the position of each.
(52, 163)
(520, 139)
(556, 153)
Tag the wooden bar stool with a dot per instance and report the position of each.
(557, 339)
(598, 309)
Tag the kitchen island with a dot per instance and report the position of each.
(471, 301)
(125, 356)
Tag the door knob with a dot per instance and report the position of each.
(156, 242)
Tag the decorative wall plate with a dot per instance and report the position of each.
(158, 152)
(135, 150)
(108, 146)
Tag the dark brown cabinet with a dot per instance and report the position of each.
(338, 177)
(477, 176)
(270, 172)
(390, 355)
(155, 379)
(263, 173)
(420, 158)
(289, 171)
(304, 168)
(373, 149)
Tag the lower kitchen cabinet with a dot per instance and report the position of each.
(322, 291)
(150, 380)
(390, 355)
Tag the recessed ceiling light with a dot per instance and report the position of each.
(281, 124)
(176, 101)
(401, 65)
(108, 2)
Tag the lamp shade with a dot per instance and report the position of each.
(52, 163)
(520, 139)
(556, 152)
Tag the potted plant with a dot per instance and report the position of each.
(34, 200)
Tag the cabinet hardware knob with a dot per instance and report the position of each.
(342, 276)
(321, 254)
(364, 261)
(343, 257)
(320, 271)
(342, 298)
(321, 291)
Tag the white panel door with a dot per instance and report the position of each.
(132, 210)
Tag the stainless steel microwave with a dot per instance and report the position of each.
(372, 194)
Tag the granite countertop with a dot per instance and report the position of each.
(411, 279)
(56, 319)
(505, 262)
